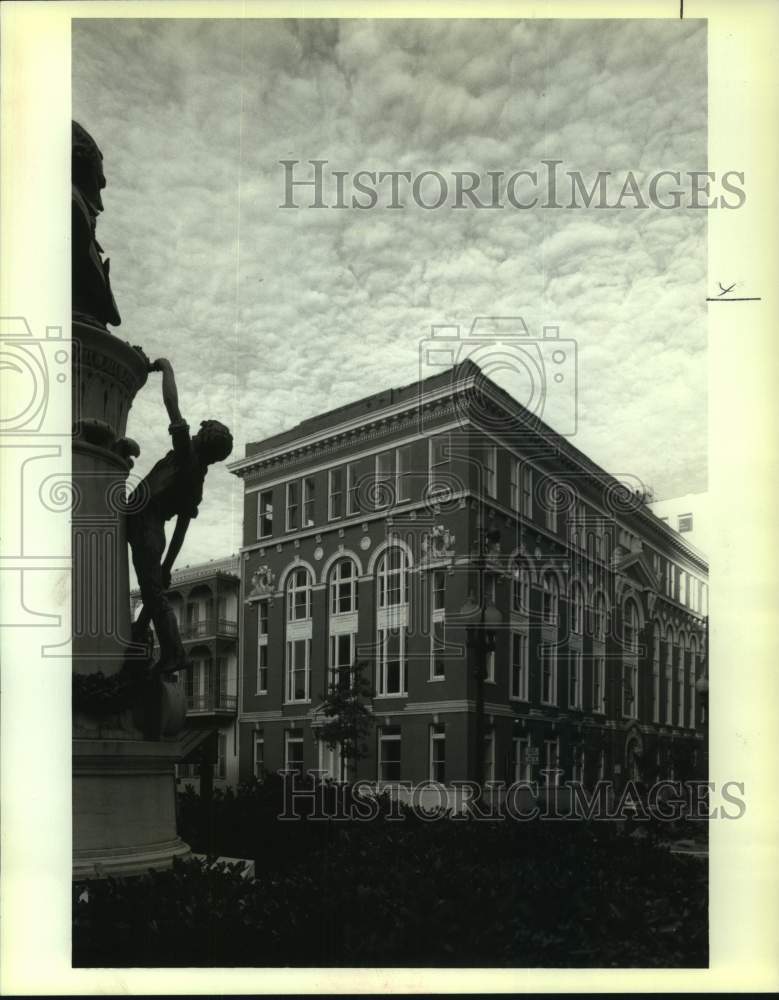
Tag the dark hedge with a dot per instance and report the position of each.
(400, 893)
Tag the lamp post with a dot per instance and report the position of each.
(481, 638)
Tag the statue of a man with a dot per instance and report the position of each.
(92, 296)
(173, 488)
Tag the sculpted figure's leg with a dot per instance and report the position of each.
(147, 539)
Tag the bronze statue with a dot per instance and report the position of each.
(92, 296)
(173, 488)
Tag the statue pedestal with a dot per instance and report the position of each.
(124, 807)
(124, 795)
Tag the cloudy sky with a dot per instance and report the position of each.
(270, 315)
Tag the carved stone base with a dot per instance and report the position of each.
(124, 807)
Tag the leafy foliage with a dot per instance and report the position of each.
(405, 892)
(349, 719)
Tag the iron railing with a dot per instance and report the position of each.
(212, 702)
(206, 627)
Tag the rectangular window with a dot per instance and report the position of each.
(352, 503)
(669, 690)
(262, 667)
(265, 514)
(682, 588)
(519, 666)
(521, 759)
(691, 696)
(292, 506)
(552, 761)
(437, 624)
(335, 494)
(298, 672)
(438, 454)
(259, 756)
(685, 522)
(293, 750)
(309, 501)
(599, 685)
(490, 470)
(489, 675)
(575, 680)
(262, 647)
(403, 472)
(438, 754)
(551, 505)
(437, 647)
(548, 674)
(489, 755)
(341, 658)
(391, 678)
(385, 475)
(514, 484)
(389, 753)
(527, 491)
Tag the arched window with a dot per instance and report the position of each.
(680, 680)
(630, 670)
(551, 599)
(577, 609)
(299, 595)
(342, 622)
(343, 587)
(391, 622)
(630, 627)
(392, 578)
(656, 673)
(693, 676)
(520, 588)
(599, 617)
(669, 667)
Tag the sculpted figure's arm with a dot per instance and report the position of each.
(177, 540)
(170, 394)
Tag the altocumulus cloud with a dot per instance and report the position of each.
(271, 315)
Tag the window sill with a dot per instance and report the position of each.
(435, 680)
(302, 701)
(383, 697)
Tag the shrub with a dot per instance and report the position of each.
(400, 893)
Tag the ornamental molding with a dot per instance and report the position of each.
(438, 543)
(263, 582)
(373, 432)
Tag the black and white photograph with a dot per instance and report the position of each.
(383, 457)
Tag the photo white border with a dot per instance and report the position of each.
(35, 850)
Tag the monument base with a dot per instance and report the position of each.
(124, 807)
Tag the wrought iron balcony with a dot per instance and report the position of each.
(212, 702)
(206, 628)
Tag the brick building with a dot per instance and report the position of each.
(205, 601)
(519, 608)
